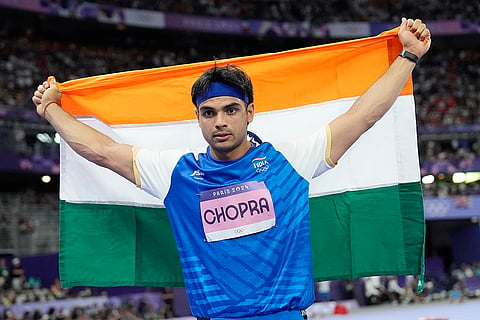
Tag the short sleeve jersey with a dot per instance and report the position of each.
(242, 227)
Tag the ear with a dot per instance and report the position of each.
(195, 109)
(250, 112)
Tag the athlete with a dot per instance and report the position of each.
(239, 210)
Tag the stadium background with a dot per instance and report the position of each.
(73, 39)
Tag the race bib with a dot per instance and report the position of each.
(237, 210)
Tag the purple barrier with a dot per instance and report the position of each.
(434, 266)
(449, 166)
(448, 128)
(29, 163)
(456, 207)
(44, 267)
(181, 307)
(472, 283)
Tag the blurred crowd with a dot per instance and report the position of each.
(25, 62)
(446, 87)
(17, 288)
(306, 10)
(29, 222)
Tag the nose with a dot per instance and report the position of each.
(220, 120)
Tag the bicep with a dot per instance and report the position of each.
(119, 158)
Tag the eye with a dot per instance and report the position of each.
(207, 113)
(231, 110)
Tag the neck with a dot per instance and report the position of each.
(237, 153)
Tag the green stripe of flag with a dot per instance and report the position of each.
(114, 245)
(370, 232)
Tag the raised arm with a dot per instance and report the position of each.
(379, 98)
(86, 141)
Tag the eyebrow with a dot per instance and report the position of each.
(233, 104)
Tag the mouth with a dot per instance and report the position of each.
(221, 136)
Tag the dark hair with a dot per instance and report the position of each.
(230, 74)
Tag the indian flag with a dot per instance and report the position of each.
(366, 214)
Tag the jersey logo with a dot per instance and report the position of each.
(237, 210)
(260, 164)
(197, 174)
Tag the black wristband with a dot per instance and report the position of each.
(410, 56)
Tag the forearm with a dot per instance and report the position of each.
(90, 143)
(370, 107)
(379, 98)
(86, 141)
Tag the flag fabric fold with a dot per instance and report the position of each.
(366, 214)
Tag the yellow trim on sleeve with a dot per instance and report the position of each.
(138, 182)
(329, 147)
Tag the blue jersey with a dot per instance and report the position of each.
(242, 229)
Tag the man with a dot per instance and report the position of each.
(239, 211)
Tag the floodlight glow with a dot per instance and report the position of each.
(46, 179)
(472, 177)
(428, 179)
(459, 177)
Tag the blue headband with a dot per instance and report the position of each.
(218, 89)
